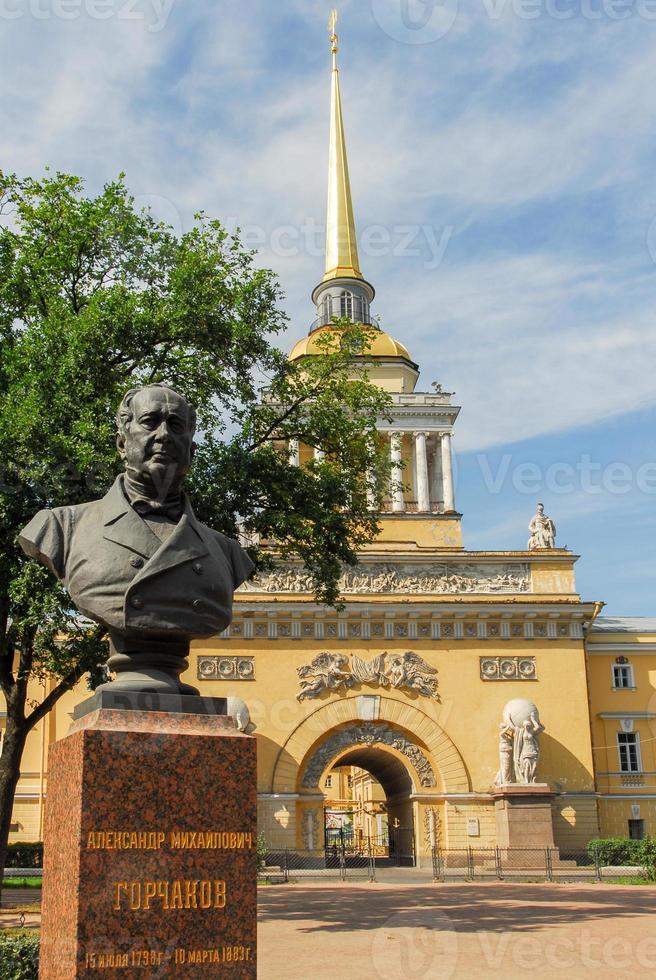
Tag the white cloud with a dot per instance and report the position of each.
(229, 112)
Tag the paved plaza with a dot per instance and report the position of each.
(425, 931)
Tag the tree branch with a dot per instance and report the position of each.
(48, 703)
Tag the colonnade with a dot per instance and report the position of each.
(431, 466)
(432, 469)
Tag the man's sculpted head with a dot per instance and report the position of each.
(155, 438)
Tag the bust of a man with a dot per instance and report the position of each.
(138, 560)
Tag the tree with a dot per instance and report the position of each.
(96, 297)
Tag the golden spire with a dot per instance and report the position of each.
(341, 244)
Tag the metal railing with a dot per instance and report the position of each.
(514, 863)
(360, 315)
(411, 507)
(294, 865)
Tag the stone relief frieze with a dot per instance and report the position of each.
(406, 578)
(226, 668)
(332, 672)
(367, 733)
(508, 668)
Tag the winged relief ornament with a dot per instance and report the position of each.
(402, 671)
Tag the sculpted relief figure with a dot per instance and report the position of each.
(330, 671)
(542, 529)
(403, 579)
(411, 671)
(325, 673)
(138, 560)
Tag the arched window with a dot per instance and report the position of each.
(346, 304)
(326, 309)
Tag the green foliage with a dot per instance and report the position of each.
(95, 298)
(647, 853)
(19, 956)
(262, 849)
(22, 883)
(24, 854)
(615, 851)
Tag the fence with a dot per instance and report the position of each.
(456, 864)
(396, 847)
(514, 863)
(287, 865)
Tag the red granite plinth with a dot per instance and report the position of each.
(523, 815)
(150, 849)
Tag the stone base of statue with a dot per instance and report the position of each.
(150, 842)
(523, 814)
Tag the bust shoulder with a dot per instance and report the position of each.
(241, 564)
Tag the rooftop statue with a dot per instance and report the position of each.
(138, 560)
(543, 530)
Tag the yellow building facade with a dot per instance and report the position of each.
(621, 657)
(402, 690)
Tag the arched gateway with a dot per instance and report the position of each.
(405, 751)
(391, 715)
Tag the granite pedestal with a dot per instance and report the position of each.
(523, 814)
(150, 846)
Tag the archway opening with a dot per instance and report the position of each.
(368, 807)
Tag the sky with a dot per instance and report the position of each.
(502, 158)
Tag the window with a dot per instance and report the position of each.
(346, 304)
(627, 747)
(329, 782)
(636, 829)
(622, 676)
(326, 309)
(349, 780)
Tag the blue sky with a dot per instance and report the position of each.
(502, 157)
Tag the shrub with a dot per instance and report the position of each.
(262, 850)
(19, 956)
(648, 857)
(615, 851)
(25, 854)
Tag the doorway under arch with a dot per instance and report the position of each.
(368, 807)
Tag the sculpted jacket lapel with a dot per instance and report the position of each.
(185, 544)
(123, 525)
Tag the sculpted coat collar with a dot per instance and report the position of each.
(124, 526)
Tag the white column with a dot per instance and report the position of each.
(294, 452)
(371, 481)
(398, 503)
(371, 495)
(421, 462)
(435, 472)
(447, 473)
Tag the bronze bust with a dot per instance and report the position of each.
(138, 560)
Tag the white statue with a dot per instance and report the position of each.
(519, 748)
(506, 773)
(543, 530)
(528, 753)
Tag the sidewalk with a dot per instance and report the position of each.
(15, 899)
(435, 932)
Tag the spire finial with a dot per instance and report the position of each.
(341, 245)
(332, 24)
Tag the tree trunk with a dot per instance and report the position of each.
(10, 761)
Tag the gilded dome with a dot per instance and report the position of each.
(382, 345)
